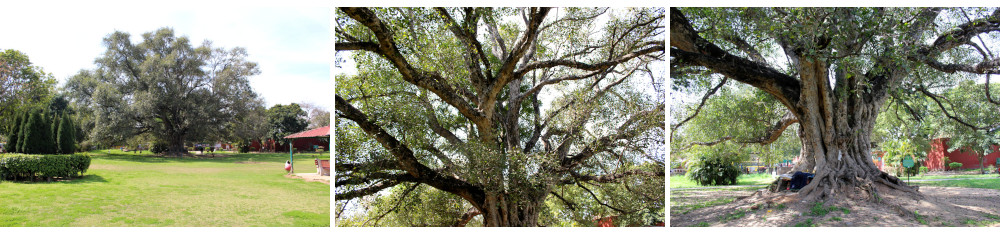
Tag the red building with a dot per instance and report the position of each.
(305, 144)
(969, 159)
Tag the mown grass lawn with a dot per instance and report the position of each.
(129, 189)
(680, 181)
(993, 183)
(926, 177)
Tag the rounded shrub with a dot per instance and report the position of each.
(714, 169)
(158, 147)
(954, 165)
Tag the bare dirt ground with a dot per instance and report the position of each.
(310, 177)
(941, 207)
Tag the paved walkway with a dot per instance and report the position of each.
(762, 185)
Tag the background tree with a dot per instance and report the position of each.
(23, 87)
(166, 87)
(453, 99)
(253, 126)
(833, 70)
(966, 101)
(317, 115)
(284, 120)
(733, 123)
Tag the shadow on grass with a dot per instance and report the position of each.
(81, 180)
(85, 179)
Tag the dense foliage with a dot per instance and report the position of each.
(23, 87)
(284, 120)
(716, 167)
(165, 87)
(42, 132)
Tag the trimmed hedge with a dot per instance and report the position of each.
(954, 165)
(29, 167)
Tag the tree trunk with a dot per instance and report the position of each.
(175, 146)
(507, 210)
(836, 129)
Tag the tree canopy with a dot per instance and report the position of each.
(512, 117)
(23, 86)
(165, 87)
(284, 120)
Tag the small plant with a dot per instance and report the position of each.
(923, 170)
(954, 165)
(807, 223)
(920, 218)
(702, 224)
(735, 215)
(781, 206)
(835, 218)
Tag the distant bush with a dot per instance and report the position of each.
(954, 165)
(714, 170)
(29, 167)
(243, 147)
(924, 169)
(158, 147)
(199, 148)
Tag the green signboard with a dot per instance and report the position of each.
(908, 161)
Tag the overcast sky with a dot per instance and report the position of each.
(291, 44)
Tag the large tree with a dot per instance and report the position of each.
(833, 70)
(284, 120)
(165, 87)
(318, 116)
(23, 86)
(505, 109)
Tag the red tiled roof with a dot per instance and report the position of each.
(318, 132)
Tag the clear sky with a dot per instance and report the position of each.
(290, 43)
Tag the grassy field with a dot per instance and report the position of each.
(970, 183)
(128, 189)
(680, 181)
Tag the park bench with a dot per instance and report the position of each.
(322, 167)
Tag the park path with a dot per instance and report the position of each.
(762, 185)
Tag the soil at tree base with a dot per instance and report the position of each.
(940, 207)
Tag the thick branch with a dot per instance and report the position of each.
(472, 212)
(770, 135)
(405, 157)
(367, 191)
(353, 46)
(688, 48)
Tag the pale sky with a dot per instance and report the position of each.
(290, 43)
